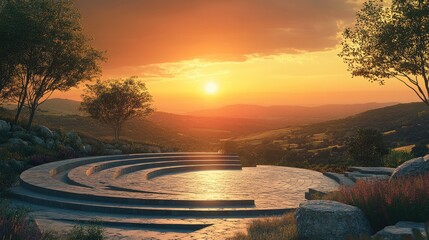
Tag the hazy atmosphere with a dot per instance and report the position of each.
(270, 52)
(214, 119)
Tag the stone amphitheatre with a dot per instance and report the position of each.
(163, 195)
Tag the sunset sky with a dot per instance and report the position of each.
(265, 52)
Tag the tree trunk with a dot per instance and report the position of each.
(21, 102)
(31, 117)
(22, 98)
(117, 129)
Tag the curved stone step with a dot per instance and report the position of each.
(355, 176)
(339, 178)
(59, 166)
(138, 167)
(79, 177)
(120, 162)
(175, 170)
(51, 201)
(373, 170)
(154, 200)
(39, 179)
(171, 227)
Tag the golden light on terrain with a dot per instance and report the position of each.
(210, 88)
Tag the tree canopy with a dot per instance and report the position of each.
(43, 49)
(367, 147)
(391, 42)
(114, 102)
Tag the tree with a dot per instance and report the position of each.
(391, 43)
(116, 101)
(367, 147)
(43, 46)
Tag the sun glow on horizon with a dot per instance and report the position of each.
(210, 88)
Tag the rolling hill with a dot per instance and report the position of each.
(402, 125)
(290, 115)
(230, 121)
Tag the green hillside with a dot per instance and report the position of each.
(402, 124)
(320, 145)
(137, 130)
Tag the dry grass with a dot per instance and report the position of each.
(283, 228)
(15, 223)
(385, 203)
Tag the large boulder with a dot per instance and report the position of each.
(17, 141)
(37, 141)
(4, 126)
(17, 128)
(412, 167)
(50, 144)
(399, 231)
(45, 132)
(87, 148)
(73, 140)
(330, 220)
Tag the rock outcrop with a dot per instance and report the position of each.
(330, 220)
(399, 231)
(413, 167)
(4, 126)
(45, 132)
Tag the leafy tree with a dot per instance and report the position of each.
(116, 101)
(367, 147)
(391, 43)
(44, 50)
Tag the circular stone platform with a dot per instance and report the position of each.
(189, 195)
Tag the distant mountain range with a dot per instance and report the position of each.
(286, 115)
(405, 122)
(232, 120)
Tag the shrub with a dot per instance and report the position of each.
(67, 153)
(39, 159)
(367, 147)
(16, 224)
(271, 228)
(9, 173)
(88, 232)
(396, 158)
(419, 150)
(388, 202)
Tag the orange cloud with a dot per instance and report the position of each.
(139, 32)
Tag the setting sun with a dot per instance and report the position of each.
(210, 88)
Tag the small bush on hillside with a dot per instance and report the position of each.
(9, 173)
(419, 150)
(388, 202)
(271, 228)
(396, 158)
(88, 232)
(39, 159)
(67, 153)
(367, 147)
(16, 224)
(23, 152)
